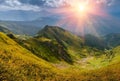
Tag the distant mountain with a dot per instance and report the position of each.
(94, 41)
(29, 27)
(112, 40)
(103, 42)
(4, 30)
(94, 25)
(99, 25)
(19, 27)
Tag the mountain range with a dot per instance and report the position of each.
(56, 54)
(31, 27)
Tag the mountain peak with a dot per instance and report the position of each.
(59, 34)
(47, 27)
(50, 31)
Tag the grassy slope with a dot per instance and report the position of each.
(111, 72)
(47, 49)
(107, 73)
(17, 63)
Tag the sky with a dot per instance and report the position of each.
(32, 9)
(38, 5)
(78, 16)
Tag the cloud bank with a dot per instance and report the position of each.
(17, 5)
(59, 3)
(37, 5)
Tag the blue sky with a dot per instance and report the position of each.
(37, 5)
(23, 9)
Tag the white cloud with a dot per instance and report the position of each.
(55, 3)
(106, 2)
(17, 5)
(59, 3)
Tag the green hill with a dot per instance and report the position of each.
(73, 44)
(50, 49)
(55, 44)
(62, 36)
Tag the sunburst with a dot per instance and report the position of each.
(79, 14)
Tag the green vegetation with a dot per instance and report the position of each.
(56, 55)
(48, 46)
(17, 63)
(55, 44)
(48, 50)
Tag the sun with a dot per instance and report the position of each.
(82, 8)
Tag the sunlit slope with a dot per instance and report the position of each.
(116, 54)
(18, 64)
(111, 72)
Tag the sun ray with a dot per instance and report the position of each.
(79, 15)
